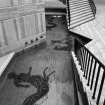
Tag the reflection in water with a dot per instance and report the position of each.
(38, 81)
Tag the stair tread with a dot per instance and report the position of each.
(72, 5)
(80, 8)
(80, 5)
(76, 1)
(86, 9)
(80, 22)
(81, 18)
(81, 13)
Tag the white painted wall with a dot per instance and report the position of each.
(5, 3)
(26, 24)
(50, 0)
(102, 2)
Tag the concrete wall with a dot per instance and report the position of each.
(5, 3)
(102, 2)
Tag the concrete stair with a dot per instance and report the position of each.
(80, 12)
(96, 32)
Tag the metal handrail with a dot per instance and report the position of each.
(89, 63)
(68, 11)
(75, 83)
(82, 45)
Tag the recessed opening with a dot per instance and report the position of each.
(32, 41)
(41, 36)
(26, 43)
(36, 39)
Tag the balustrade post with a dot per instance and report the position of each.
(96, 82)
(101, 86)
(90, 70)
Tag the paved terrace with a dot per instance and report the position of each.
(15, 88)
(54, 4)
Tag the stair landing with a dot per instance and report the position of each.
(95, 30)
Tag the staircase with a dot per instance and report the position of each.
(90, 59)
(81, 11)
(90, 73)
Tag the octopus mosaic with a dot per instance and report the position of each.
(41, 82)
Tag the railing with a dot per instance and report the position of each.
(93, 72)
(75, 85)
(78, 87)
(93, 7)
(68, 12)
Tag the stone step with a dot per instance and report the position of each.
(77, 3)
(80, 8)
(80, 16)
(81, 21)
(80, 11)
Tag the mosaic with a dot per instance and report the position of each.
(41, 82)
(64, 44)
